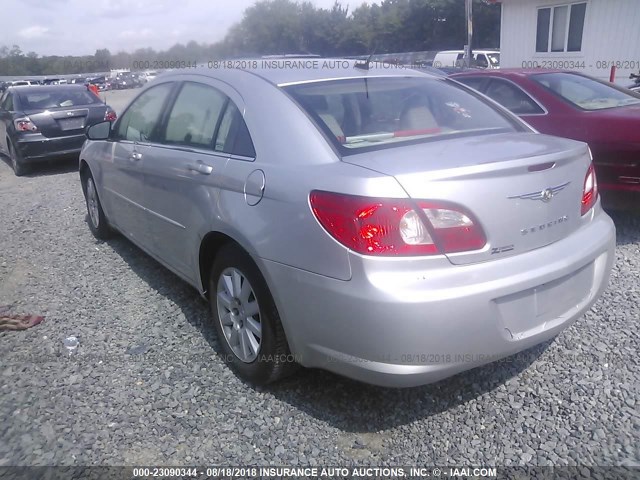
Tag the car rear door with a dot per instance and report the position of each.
(122, 172)
(183, 179)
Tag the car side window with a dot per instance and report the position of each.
(233, 135)
(194, 116)
(512, 98)
(473, 82)
(481, 61)
(141, 119)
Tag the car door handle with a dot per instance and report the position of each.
(200, 167)
(135, 156)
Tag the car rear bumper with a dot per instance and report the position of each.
(412, 326)
(38, 148)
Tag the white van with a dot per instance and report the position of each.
(455, 58)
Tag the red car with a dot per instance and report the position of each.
(572, 105)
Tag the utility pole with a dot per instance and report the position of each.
(468, 7)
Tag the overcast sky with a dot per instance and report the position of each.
(79, 27)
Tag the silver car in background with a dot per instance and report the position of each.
(388, 225)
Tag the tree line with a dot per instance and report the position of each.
(272, 27)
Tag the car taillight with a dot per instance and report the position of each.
(589, 191)
(396, 227)
(25, 124)
(110, 116)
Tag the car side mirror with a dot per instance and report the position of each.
(99, 131)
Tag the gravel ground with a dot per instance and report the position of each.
(147, 386)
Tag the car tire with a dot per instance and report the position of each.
(96, 217)
(17, 163)
(258, 358)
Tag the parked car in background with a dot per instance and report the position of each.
(55, 81)
(47, 122)
(103, 83)
(150, 75)
(116, 83)
(78, 80)
(20, 83)
(489, 59)
(572, 105)
(123, 81)
(391, 226)
(128, 80)
(137, 79)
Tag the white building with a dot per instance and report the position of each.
(583, 35)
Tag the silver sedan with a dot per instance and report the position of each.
(379, 222)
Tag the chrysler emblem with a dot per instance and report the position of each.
(545, 195)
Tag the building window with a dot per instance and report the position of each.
(560, 28)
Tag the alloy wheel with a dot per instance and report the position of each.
(92, 203)
(239, 314)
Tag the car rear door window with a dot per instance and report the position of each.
(473, 82)
(194, 116)
(512, 98)
(233, 135)
(139, 123)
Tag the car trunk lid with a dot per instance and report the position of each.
(69, 121)
(525, 189)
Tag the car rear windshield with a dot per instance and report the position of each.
(43, 98)
(377, 112)
(584, 92)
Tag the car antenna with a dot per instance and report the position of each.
(366, 64)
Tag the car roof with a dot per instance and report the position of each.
(475, 50)
(287, 71)
(522, 72)
(46, 88)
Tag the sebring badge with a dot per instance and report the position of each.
(545, 195)
(544, 226)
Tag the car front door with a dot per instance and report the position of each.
(183, 179)
(122, 173)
